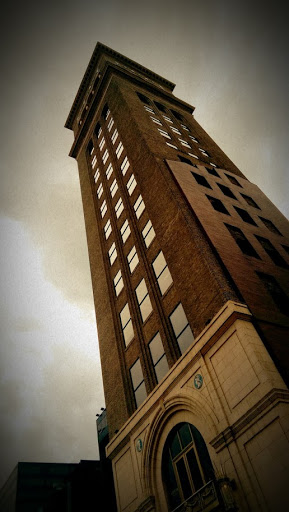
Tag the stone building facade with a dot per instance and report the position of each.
(189, 264)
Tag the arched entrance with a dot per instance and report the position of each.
(186, 464)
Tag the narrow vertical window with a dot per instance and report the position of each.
(132, 259)
(233, 180)
(139, 206)
(138, 383)
(131, 184)
(181, 328)
(185, 143)
(164, 133)
(243, 243)
(119, 150)
(107, 229)
(125, 231)
(113, 188)
(245, 216)
(148, 234)
(102, 143)
(269, 225)
(96, 175)
(126, 324)
(272, 252)
(103, 209)
(105, 156)
(162, 273)
(109, 171)
(114, 136)
(94, 162)
(159, 357)
(110, 124)
(99, 191)
(112, 253)
(278, 295)
(124, 166)
(143, 299)
(118, 283)
(118, 208)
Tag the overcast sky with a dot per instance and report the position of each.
(228, 59)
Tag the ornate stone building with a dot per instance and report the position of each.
(189, 264)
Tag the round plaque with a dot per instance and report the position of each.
(139, 445)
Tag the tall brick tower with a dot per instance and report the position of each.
(189, 266)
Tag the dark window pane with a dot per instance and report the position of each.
(245, 216)
(143, 98)
(177, 115)
(175, 446)
(185, 435)
(272, 252)
(186, 160)
(233, 180)
(250, 201)
(242, 241)
(218, 205)
(160, 106)
(201, 180)
(286, 248)
(270, 226)
(226, 191)
(184, 480)
(213, 172)
(195, 470)
(203, 454)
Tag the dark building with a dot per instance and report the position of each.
(189, 263)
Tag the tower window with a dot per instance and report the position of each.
(107, 229)
(250, 201)
(102, 143)
(162, 273)
(167, 118)
(194, 156)
(185, 143)
(118, 283)
(218, 205)
(143, 98)
(99, 191)
(242, 241)
(269, 225)
(175, 130)
(171, 145)
(119, 208)
(113, 188)
(93, 162)
(112, 253)
(114, 136)
(245, 216)
(201, 180)
(124, 166)
(194, 139)
(138, 384)
(226, 191)
(272, 252)
(119, 150)
(131, 184)
(185, 127)
(213, 172)
(156, 121)
(233, 180)
(204, 152)
(160, 106)
(125, 231)
(105, 156)
(109, 171)
(148, 234)
(96, 175)
(286, 248)
(159, 357)
(278, 295)
(177, 115)
(126, 324)
(139, 206)
(110, 124)
(143, 299)
(149, 109)
(181, 328)
(132, 259)
(164, 133)
(103, 209)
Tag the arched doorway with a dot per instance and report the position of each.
(186, 464)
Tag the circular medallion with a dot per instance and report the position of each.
(198, 381)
